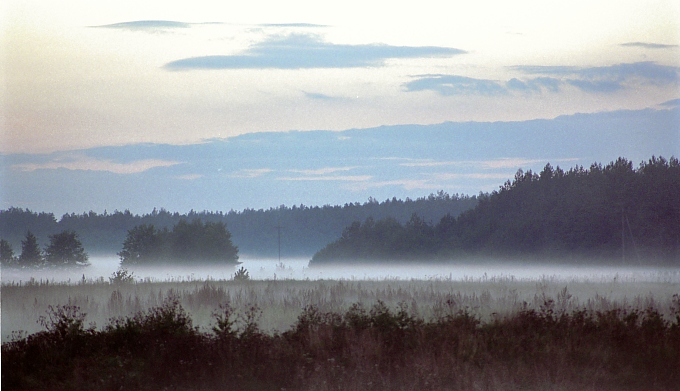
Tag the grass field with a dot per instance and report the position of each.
(281, 301)
(492, 333)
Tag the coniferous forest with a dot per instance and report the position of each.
(601, 213)
(613, 212)
(304, 229)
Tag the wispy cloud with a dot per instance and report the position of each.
(86, 163)
(492, 164)
(319, 96)
(534, 85)
(477, 175)
(250, 173)
(147, 25)
(190, 177)
(340, 178)
(609, 78)
(303, 51)
(310, 25)
(455, 85)
(649, 45)
(408, 184)
(323, 171)
(671, 103)
(594, 80)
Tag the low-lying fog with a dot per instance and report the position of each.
(298, 269)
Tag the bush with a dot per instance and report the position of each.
(121, 276)
(241, 275)
(379, 349)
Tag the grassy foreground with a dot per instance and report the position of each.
(374, 348)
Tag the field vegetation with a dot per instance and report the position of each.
(497, 333)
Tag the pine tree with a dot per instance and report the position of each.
(6, 253)
(30, 252)
(65, 249)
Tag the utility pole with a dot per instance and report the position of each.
(623, 237)
(278, 228)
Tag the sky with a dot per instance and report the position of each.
(203, 105)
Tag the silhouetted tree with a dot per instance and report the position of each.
(6, 253)
(575, 214)
(65, 249)
(31, 255)
(142, 245)
(306, 228)
(187, 242)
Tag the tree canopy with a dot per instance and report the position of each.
(304, 228)
(65, 249)
(31, 255)
(6, 253)
(187, 242)
(614, 212)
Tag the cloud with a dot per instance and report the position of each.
(408, 184)
(491, 164)
(255, 161)
(190, 177)
(342, 178)
(147, 25)
(476, 175)
(250, 173)
(86, 163)
(671, 103)
(310, 25)
(597, 86)
(448, 85)
(606, 79)
(302, 51)
(322, 171)
(534, 85)
(318, 96)
(648, 45)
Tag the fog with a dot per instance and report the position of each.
(298, 269)
(282, 289)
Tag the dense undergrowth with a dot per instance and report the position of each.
(376, 348)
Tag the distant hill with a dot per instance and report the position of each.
(612, 212)
(304, 229)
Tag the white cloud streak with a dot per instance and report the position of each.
(340, 178)
(250, 173)
(323, 171)
(190, 177)
(493, 164)
(86, 163)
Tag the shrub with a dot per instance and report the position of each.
(121, 276)
(241, 275)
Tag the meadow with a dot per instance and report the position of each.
(495, 332)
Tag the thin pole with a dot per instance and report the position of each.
(632, 239)
(623, 237)
(278, 228)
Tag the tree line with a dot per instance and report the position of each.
(304, 229)
(64, 249)
(187, 242)
(603, 212)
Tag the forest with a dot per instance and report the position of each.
(613, 212)
(304, 229)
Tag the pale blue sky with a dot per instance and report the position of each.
(79, 76)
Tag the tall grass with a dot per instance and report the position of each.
(281, 301)
(362, 348)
